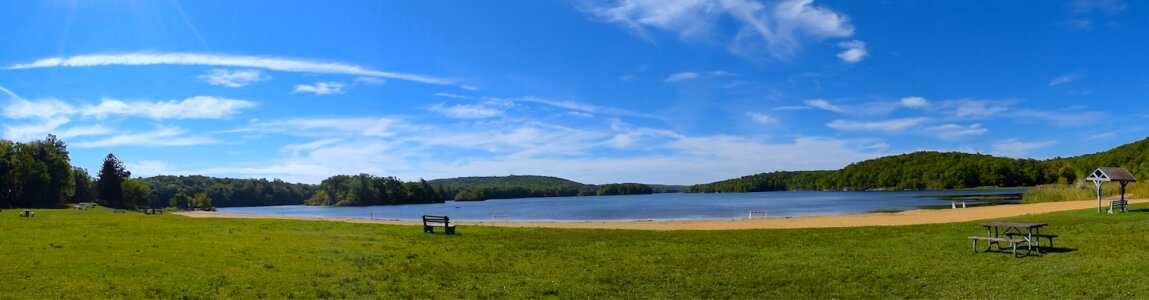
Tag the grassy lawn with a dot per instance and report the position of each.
(98, 254)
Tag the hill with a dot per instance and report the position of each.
(941, 170)
(527, 186)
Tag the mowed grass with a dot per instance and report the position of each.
(98, 254)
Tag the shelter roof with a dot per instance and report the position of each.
(1111, 174)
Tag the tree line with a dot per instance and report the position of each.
(528, 186)
(198, 191)
(365, 189)
(942, 170)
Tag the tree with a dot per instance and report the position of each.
(109, 185)
(202, 200)
(84, 192)
(136, 194)
(180, 200)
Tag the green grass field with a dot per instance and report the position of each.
(98, 254)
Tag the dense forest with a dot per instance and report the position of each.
(942, 170)
(179, 191)
(527, 186)
(366, 189)
(40, 174)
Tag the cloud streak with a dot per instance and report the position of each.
(269, 63)
(778, 29)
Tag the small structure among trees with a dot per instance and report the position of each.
(1104, 174)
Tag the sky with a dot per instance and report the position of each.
(649, 91)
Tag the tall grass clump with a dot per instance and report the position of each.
(1081, 190)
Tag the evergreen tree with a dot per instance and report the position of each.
(109, 185)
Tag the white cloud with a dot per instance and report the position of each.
(1067, 118)
(369, 127)
(682, 76)
(914, 102)
(823, 104)
(854, 52)
(320, 88)
(466, 111)
(761, 118)
(163, 136)
(269, 63)
(1018, 149)
(777, 30)
(233, 79)
(688, 75)
(199, 107)
(954, 131)
(1066, 78)
(20, 108)
(976, 109)
(39, 130)
(369, 80)
(149, 168)
(456, 96)
(888, 126)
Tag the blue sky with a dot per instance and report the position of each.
(652, 91)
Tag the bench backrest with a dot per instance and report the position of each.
(435, 219)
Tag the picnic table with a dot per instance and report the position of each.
(1013, 234)
(27, 214)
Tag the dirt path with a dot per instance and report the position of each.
(921, 216)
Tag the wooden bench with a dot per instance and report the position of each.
(429, 223)
(27, 214)
(118, 211)
(1036, 236)
(1012, 242)
(1123, 204)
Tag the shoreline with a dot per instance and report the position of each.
(909, 217)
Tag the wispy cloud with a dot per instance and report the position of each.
(162, 136)
(823, 104)
(888, 126)
(1067, 78)
(762, 118)
(320, 88)
(777, 30)
(199, 107)
(466, 111)
(690, 75)
(269, 63)
(854, 51)
(1065, 118)
(954, 131)
(1018, 149)
(914, 102)
(233, 79)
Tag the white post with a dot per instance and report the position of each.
(953, 205)
(1098, 183)
(963, 204)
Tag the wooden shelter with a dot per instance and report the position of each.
(1104, 174)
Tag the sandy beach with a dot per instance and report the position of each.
(911, 217)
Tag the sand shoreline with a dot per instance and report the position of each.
(910, 217)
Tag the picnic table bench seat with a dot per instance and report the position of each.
(1011, 241)
(1036, 236)
(430, 222)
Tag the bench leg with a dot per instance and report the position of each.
(449, 230)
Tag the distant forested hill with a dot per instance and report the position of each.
(526, 186)
(225, 192)
(942, 170)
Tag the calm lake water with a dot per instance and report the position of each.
(674, 206)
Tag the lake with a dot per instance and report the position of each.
(672, 206)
